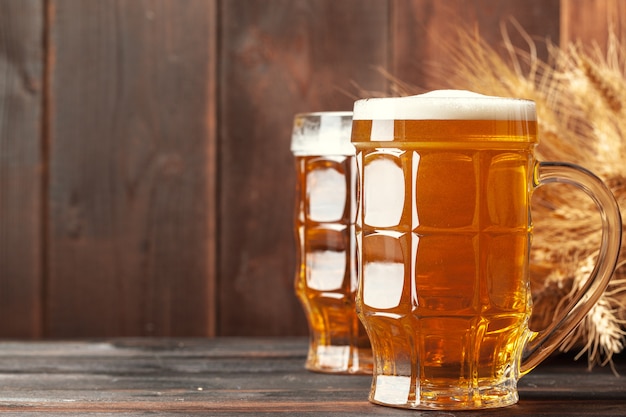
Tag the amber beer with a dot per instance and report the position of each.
(443, 236)
(326, 278)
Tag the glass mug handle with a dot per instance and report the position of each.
(543, 343)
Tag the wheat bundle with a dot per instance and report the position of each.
(580, 97)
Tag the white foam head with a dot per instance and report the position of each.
(445, 105)
(322, 133)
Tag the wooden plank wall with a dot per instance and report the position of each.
(146, 182)
(131, 154)
(21, 167)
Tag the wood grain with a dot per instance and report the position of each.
(21, 166)
(146, 182)
(589, 22)
(246, 376)
(421, 29)
(279, 57)
(131, 168)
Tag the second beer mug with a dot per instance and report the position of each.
(326, 278)
(443, 236)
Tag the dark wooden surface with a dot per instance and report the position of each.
(146, 184)
(130, 167)
(280, 57)
(587, 21)
(420, 29)
(242, 376)
(21, 173)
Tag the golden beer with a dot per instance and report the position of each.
(326, 278)
(443, 236)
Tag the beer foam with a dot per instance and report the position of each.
(322, 133)
(445, 105)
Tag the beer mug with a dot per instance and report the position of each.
(443, 240)
(324, 227)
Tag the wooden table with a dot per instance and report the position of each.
(249, 377)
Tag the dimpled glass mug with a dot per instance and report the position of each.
(324, 224)
(443, 240)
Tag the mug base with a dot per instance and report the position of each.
(398, 392)
(340, 360)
